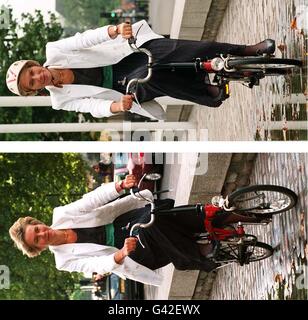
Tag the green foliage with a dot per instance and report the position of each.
(33, 184)
(81, 15)
(79, 294)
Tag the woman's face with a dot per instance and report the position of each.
(35, 78)
(39, 236)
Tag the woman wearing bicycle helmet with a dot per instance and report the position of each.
(89, 71)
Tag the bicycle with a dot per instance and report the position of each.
(226, 68)
(233, 244)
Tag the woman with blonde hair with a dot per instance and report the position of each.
(92, 235)
(17, 234)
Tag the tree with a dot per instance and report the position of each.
(81, 15)
(26, 39)
(26, 180)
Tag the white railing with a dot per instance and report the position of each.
(45, 101)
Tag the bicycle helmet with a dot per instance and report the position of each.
(12, 77)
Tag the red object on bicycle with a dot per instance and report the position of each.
(210, 212)
(207, 66)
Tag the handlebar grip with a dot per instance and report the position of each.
(132, 40)
(135, 189)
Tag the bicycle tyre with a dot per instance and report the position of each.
(264, 63)
(276, 72)
(268, 252)
(228, 256)
(234, 198)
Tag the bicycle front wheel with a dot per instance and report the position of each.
(263, 200)
(270, 66)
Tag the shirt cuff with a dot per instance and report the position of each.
(107, 34)
(113, 264)
(119, 193)
(114, 190)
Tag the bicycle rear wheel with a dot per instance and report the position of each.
(271, 66)
(259, 251)
(250, 251)
(263, 200)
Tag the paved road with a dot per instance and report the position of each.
(287, 233)
(250, 111)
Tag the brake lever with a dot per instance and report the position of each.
(138, 237)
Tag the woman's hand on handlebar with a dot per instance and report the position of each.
(129, 182)
(129, 246)
(125, 30)
(124, 104)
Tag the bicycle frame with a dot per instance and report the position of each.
(220, 234)
(219, 65)
(231, 242)
(235, 246)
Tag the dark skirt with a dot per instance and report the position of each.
(171, 239)
(181, 84)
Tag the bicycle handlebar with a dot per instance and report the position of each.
(135, 81)
(136, 194)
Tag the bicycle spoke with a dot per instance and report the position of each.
(228, 253)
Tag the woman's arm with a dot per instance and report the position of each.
(92, 38)
(103, 263)
(100, 264)
(82, 40)
(99, 108)
(94, 199)
(101, 195)
(129, 246)
(129, 203)
(106, 263)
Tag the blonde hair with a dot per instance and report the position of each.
(17, 234)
